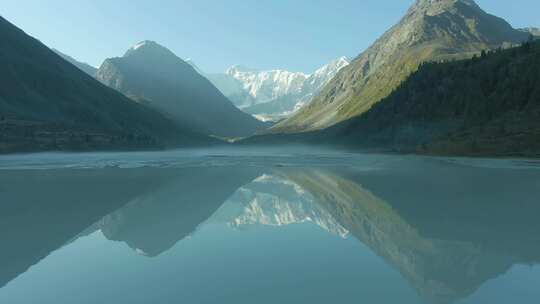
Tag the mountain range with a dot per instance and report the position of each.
(47, 103)
(488, 105)
(154, 76)
(431, 30)
(449, 78)
(275, 94)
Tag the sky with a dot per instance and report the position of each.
(297, 35)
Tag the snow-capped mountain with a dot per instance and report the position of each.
(274, 94)
(266, 86)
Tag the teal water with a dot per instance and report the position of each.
(253, 228)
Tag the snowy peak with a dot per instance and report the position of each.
(273, 94)
(194, 66)
(148, 48)
(324, 74)
(268, 85)
(235, 69)
(334, 65)
(142, 44)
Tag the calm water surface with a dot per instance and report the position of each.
(247, 227)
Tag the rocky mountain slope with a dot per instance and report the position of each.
(430, 30)
(154, 76)
(489, 105)
(275, 94)
(47, 103)
(485, 106)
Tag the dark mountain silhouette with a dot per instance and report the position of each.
(47, 103)
(85, 67)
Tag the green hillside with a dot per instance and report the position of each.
(488, 105)
(430, 30)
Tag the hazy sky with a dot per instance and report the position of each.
(299, 35)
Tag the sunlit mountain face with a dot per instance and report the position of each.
(376, 231)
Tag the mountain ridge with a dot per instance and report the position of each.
(153, 75)
(83, 66)
(46, 103)
(430, 30)
(273, 94)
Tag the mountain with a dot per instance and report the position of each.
(85, 67)
(485, 106)
(275, 94)
(532, 30)
(47, 103)
(154, 76)
(431, 30)
(488, 105)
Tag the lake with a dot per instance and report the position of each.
(269, 226)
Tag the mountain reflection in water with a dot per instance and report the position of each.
(447, 229)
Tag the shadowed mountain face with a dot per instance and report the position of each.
(152, 75)
(47, 103)
(431, 30)
(85, 67)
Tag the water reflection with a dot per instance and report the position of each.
(447, 229)
(152, 223)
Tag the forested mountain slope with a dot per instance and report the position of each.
(488, 105)
(430, 30)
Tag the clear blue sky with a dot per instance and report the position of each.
(298, 35)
